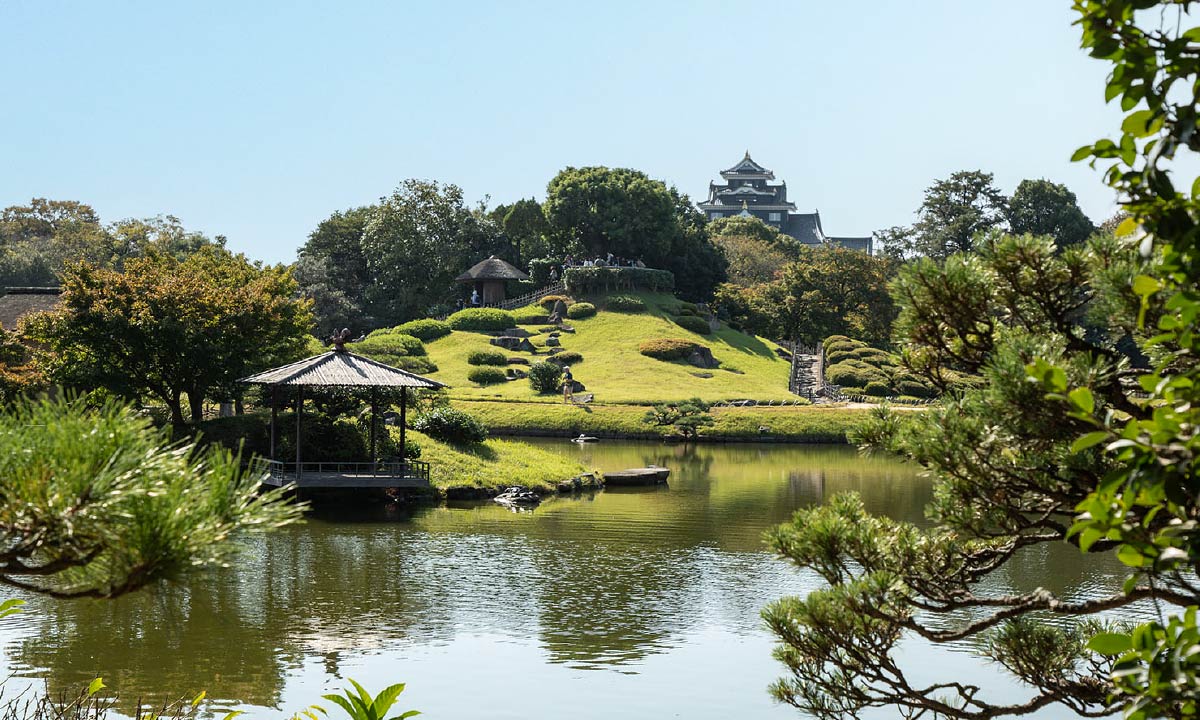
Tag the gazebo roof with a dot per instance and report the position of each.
(340, 369)
(491, 269)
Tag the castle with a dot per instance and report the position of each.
(747, 192)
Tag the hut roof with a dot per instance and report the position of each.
(16, 303)
(491, 269)
(341, 369)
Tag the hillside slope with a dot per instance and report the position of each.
(614, 369)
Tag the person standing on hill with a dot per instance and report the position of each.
(568, 382)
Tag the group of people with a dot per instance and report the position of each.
(607, 261)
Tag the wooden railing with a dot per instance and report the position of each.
(286, 471)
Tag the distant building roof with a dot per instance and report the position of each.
(748, 168)
(16, 303)
(491, 269)
(341, 369)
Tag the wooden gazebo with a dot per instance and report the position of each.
(341, 368)
(489, 276)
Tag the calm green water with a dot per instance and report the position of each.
(626, 603)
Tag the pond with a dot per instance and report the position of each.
(623, 603)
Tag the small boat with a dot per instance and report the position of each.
(652, 475)
(584, 439)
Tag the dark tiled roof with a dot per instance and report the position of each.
(341, 369)
(864, 244)
(805, 227)
(492, 269)
(19, 302)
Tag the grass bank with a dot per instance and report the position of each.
(806, 424)
(484, 470)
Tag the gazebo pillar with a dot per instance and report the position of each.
(274, 416)
(403, 421)
(374, 426)
(299, 415)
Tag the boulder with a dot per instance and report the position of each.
(518, 496)
(518, 361)
(566, 328)
(509, 342)
(702, 357)
(558, 312)
(552, 341)
(577, 386)
(516, 332)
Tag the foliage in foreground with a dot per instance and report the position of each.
(1075, 436)
(106, 515)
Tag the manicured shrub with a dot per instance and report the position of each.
(585, 280)
(689, 307)
(625, 303)
(836, 356)
(567, 357)
(685, 312)
(914, 388)
(481, 319)
(531, 315)
(487, 357)
(875, 356)
(877, 389)
(544, 377)
(581, 310)
(487, 376)
(835, 339)
(418, 365)
(424, 329)
(847, 346)
(849, 376)
(549, 300)
(451, 425)
(695, 324)
(668, 348)
(389, 342)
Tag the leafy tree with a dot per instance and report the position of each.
(751, 260)
(126, 508)
(828, 291)
(897, 242)
(168, 327)
(1040, 207)
(1067, 440)
(685, 418)
(954, 211)
(18, 376)
(751, 227)
(698, 264)
(36, 239)
(415, 243)
(332, 271)
(526, 226)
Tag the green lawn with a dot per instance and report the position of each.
(616, 372)
(793, 424)
(494, 465)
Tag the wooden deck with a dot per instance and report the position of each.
(347, 476)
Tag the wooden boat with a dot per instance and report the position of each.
(652, 475)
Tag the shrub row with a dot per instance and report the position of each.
(568, 357)
(424, 329)
(668, 348)
(695, 324)
(625, 303)
(389, 342)
(487, 357)
(487, 376)
(584, 280)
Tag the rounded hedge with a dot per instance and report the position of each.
(581, 310)
(487, 357)
(833, 357)
(624, 303)
(481, 319)
(531, 315)
(544, 377)
(549, 300)
(389, 342)
(835, 339)
(876, 388)
(695, 324)
(848, 376)
(914, 388)
(668, 348)
(567, 357)
(451, 425)
(425, 329)
(873, 355)
(487, 376)
(419, 365)
(846, 346)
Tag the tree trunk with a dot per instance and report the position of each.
(196, 403)
(239, 406)
(176, 408)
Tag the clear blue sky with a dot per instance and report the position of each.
(257, 119)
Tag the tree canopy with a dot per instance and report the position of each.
(168, 327)
(1041, 207)
(1070, 438)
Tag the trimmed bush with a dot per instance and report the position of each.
(450, 425)
(877, 389)
(836, 356)
(389, 342)
(487, 376)
(581, 310)
(544, 377)
(692, 308)
(849, 376)
(424, 329)
(585, 280)
(668, 348)
(625, 303)
(548, 301)
(531, 315)
(914, 388)
(567, 357)
(419, 365)
(695, 324)
(835, 339)
(847, 346)
(487, 357)
(875, 356)
(685, 312)
(481, 319)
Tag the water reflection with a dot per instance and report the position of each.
(607, 582)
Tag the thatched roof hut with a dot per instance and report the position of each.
(489, 276)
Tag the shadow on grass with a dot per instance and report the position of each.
(746, 343)
(478, 450)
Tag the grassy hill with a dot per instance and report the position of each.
(614, 369)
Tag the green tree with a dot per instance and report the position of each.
(525, 225)
(1066, 440)
(125, 508)
(168, 327)
(332, 271)
(685, 418)
(751, 260)
(954, 211)
(36, 239)
(1041, 207)
(415, 243)
(751, 227)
